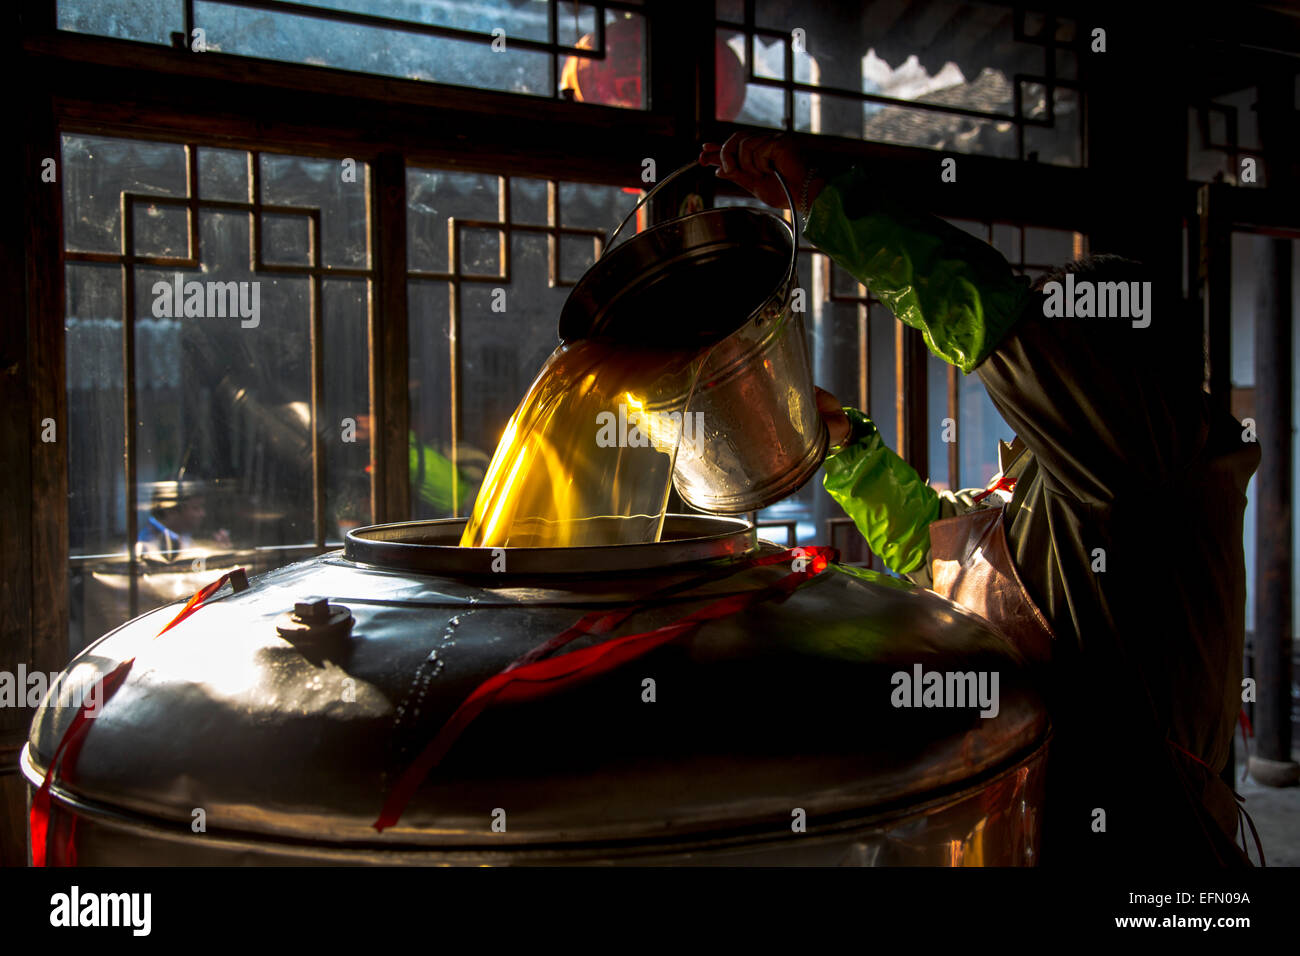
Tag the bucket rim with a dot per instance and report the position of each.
(571, 314)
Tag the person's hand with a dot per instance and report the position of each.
(837, 423)
(748, 159)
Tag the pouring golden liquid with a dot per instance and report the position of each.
(588, 456)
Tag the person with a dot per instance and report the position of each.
(178, 512)
(437, 486)
(1108, 549)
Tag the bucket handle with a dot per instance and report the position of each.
(794, 241)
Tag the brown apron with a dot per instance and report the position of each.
(970, 564)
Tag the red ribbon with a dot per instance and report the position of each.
(74, 736)
(530, 676)
(1005, 483)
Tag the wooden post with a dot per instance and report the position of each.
(389, 345)
(33, 529)
(1271, 763)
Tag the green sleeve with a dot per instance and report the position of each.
(958, 291)
(888, 501)
(436, 482)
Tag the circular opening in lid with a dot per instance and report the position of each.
(432, 547)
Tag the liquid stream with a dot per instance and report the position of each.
(587, 458)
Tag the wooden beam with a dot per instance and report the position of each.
(986, 189)
(389, 345)
(34, 483)
(913, 399)
(112, 86)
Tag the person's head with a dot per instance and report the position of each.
(1172, 341)
(180, 505)
(188, 515)
(1102, 267)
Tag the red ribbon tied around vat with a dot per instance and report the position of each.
(536, 673)
(75, 735)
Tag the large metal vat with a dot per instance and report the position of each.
(779, 714)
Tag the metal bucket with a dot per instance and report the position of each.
(722, 280)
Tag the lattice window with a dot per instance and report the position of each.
(217, 321)
(1222, 132)
(963, 77)
(590, 52)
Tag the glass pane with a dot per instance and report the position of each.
(96, 171)
(286, 240)
(1060, 144)
(339, 189)
(160, 230)
(577, 254)
(934, 130)
(223, 174)
(489, 44)
(525, 19)
(432, 197)
(589, 206)
(480, 251)
(528, 199)
(981, 429)
(149, 21)
(1006, 240)
(347, 405)
(389, 52)
(1048, 248)
(96, 473)
(432, 492)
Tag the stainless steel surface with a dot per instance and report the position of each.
(993, 823)
(290, 747)
(723, 277)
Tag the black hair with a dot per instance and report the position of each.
(1104, 266)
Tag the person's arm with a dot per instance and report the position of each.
(1095, 400)
(958, 291)
(889, 502)
(434, 477)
